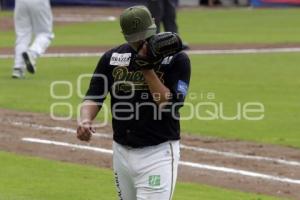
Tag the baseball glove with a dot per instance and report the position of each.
(158, 46)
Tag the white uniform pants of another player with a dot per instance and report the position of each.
(147, 173)
(32, 18)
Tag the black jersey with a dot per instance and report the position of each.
(136, 119)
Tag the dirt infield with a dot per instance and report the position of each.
(208, 153)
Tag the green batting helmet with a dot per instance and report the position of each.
(137, 23)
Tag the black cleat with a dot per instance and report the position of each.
(29, 62)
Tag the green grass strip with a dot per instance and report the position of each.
(29, 178)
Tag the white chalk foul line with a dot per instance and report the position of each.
(242, 156)
(56, 128)
(60, 55)
(184, 163)
(241, 172)
(83, 18)
(182, 146)
(244, 51)
(191, 52)
(64, 144)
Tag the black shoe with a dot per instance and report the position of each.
(29, 62)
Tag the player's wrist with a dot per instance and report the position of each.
(85, 122)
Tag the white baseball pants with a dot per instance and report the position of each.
(32, 18)
(147, 173)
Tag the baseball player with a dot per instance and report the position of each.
(32, 18)
(148, 79)
(165, 11)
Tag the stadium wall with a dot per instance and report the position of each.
(274, 3)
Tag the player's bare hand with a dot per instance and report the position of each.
(85, 130)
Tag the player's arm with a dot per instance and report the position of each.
(94, 98)
(88, 112)
(176, 88)
(156, 87)
(179, 80)
(151, 54)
